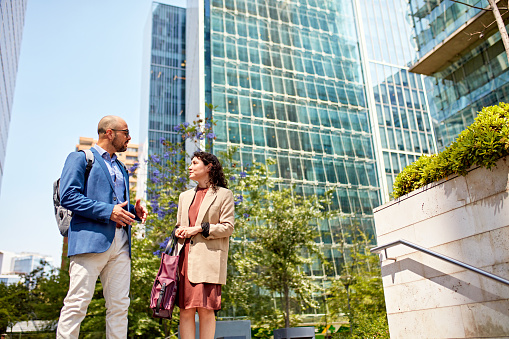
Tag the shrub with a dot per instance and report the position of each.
(483, 142)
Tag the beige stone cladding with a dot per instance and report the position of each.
(462, 217)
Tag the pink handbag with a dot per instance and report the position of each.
(164, 290)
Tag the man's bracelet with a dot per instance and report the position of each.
(205, 227)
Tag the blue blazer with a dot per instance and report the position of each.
(91, 230)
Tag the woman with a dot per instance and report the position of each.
(204, 224)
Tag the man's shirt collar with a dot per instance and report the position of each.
(105, 153)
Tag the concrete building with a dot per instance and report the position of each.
(12, 20)
(322, 87)
(460, 48)
(9, 279)
(15, 265)
(6, 261)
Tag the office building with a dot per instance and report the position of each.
(461, 51)
(163, 83)
(398, 104)
(15, 265)
(6, 261)
(300, 81)
(24, 263)
(12, 19)
(9, 279)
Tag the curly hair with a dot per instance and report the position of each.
(216, 174)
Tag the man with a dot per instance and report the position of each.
(100, 231)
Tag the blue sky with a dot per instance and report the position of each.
(80, 60)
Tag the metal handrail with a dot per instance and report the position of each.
(439, 256)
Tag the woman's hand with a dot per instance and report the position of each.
(187, 232)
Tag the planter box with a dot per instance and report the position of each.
(295, 333)
(465, 218)
(227, 329)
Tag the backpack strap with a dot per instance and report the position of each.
(122, 164)
(90, 161)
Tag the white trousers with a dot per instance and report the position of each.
(114, 268)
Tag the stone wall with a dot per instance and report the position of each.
(465, 218)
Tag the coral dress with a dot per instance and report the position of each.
(191, 295)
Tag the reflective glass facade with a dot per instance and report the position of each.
(26, 262)
(320, 86)
(166, 104)
(288, 84)
(399, 105)
(478, 79)
(435, 20)
(12, 19)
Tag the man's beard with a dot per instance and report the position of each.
(119, 146)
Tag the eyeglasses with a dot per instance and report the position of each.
(126, 131)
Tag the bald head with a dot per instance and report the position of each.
(113, 134)
(109, 122)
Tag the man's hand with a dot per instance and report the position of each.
(141, 211)
(121, 216)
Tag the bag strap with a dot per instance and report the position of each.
(90, 162)
(120, 163)
(172, 243)
(160, 299)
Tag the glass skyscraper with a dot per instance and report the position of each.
(397, 99)
(163, 103)
(287, 80)
(460, 47)
(320, 86)
(12, 19)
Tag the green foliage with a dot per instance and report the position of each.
(483, 142)
(95, 320)
(261, 333)
(358, 293)
(282, 242)
(261, 265)
(14, 305)
(39, 297)
(48, 288)
(272, 248)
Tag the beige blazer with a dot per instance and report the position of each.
(208, 256)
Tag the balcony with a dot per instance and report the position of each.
(454, 46)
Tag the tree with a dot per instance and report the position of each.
(273, 238)
(47, 289)
(14, 306)
(281, 242)
(358, 292)
(39, 296)
(498, 19)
